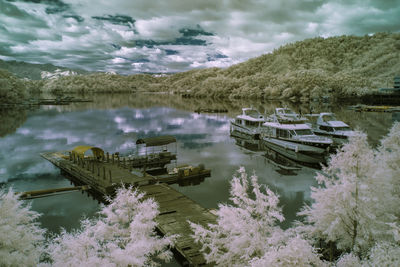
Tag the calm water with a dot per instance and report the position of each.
(115, 122)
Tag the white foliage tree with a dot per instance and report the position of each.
(389, 157)
(246, 233)
(382, 254)
(355, 207)
(21, 238)
(123, 236)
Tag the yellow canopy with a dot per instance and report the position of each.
(80, 151)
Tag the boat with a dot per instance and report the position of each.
(327, 125)
(286, 115)
(288, 126)
(248, 143)
(249, 123)
(289, 135)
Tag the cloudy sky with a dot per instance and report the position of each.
(130, 36)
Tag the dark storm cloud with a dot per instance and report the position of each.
(176, 41)
(187, 32)
(117, 19)
(160, 36)
(171, 52)
(76, 17)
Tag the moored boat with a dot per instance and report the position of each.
(291, 127)
(327, 125)
(292, 137)
(286, 115)
(249, 123)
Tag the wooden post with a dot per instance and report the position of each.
(70, 156)
(104, 172)
(112, 157)
(98, 170)
(118, 159)
(109, 171)
(108, 157)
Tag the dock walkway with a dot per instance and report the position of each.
(104, 176)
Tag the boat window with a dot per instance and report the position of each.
(344, 128)
(252, 113)
(252, 123)
(326, 128)
(289, 112)
(282, 133)
(303, 132)
(238, 121)
(329, 117)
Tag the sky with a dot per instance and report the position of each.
(133, 36)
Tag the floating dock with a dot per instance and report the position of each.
(104, 173)
(369, 108)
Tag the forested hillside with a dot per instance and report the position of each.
(343, 66)
(12, 89)
(32, 71)
(101, 83)
(336, 66)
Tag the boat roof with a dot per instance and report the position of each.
(80, 151)
(283, 110)
(337, 124)
(301, 126)
(332, 123)
(254, 116)
(157, 141)
(250, 118)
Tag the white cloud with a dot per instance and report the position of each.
(118, 60)
(90, 35)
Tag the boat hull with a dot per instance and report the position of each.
(294, 151)
(338, 139)
(239, 130)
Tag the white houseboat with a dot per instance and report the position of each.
(286, 115)
(327, 125)
(249, 123)
(292, 137)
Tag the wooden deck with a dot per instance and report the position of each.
(175, 210)
(104, 176)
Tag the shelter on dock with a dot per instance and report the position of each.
(155, 151)
(156, 144)
(79, 152)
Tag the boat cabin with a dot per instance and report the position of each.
(250, 117)
(286, 131)
(251, 112)
(286, 115)
(328, 122)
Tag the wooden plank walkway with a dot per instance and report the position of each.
(175, 208)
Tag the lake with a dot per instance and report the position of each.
(115, 122)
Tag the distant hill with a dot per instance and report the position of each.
(335, 67)
(33, 71)
(342, 66)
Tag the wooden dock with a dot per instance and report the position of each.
(103, 175)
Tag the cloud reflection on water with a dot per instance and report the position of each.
(202, 138)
